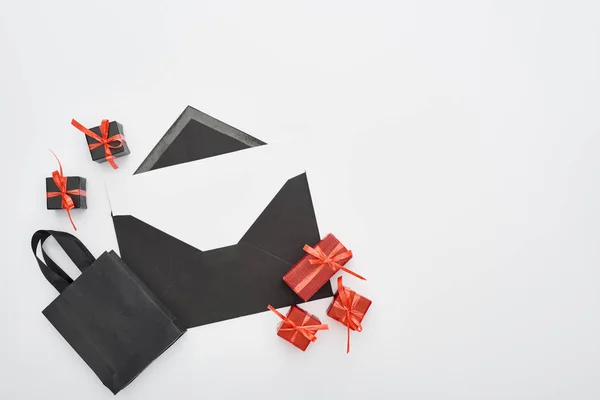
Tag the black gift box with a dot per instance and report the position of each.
(73, 183)
(107, 315)
(98, 154)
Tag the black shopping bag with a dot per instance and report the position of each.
(107, 315)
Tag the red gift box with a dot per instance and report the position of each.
(349, 308)
(299, 327)
(318, 266)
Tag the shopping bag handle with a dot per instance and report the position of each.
(76, 251)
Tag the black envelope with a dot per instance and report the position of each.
(109, 317)
(195, 136)
(202, 287)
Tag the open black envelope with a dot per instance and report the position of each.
(228, 281)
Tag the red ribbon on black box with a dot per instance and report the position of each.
(109, 143)
(60, 180)
(349, 308)
(317, 267)
(299, 327)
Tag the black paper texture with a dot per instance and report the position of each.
(109, 316)
(202, 287)
(195, 136)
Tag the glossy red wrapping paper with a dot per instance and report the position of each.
(299, 327)
(348, 308)
(318, 266)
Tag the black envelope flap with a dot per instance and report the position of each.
(195, 136)
(287, 223)
(195, 142)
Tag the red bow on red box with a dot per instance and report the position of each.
(299, 327)
(318, 266)
(349, 308)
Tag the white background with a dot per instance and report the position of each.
(466, 136)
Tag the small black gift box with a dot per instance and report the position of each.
(105, 141)
(107, 315)
(65, 193)
(98, 154)
(75, 190)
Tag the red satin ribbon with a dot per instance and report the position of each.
(307, 331)
(103, 140)
(347, 303)
(61, 183)
(332, 260)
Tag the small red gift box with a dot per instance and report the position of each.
(349, 308)
(299, 327)
(318, 266)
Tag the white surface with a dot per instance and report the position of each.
(226, 199)
(472, 168)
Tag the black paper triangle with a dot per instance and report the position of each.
(195, 136)
(287, 223)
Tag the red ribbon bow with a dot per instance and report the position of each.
(103, 140)
(61, 183)
(348, 300)
(332, 260)
(308, 331)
